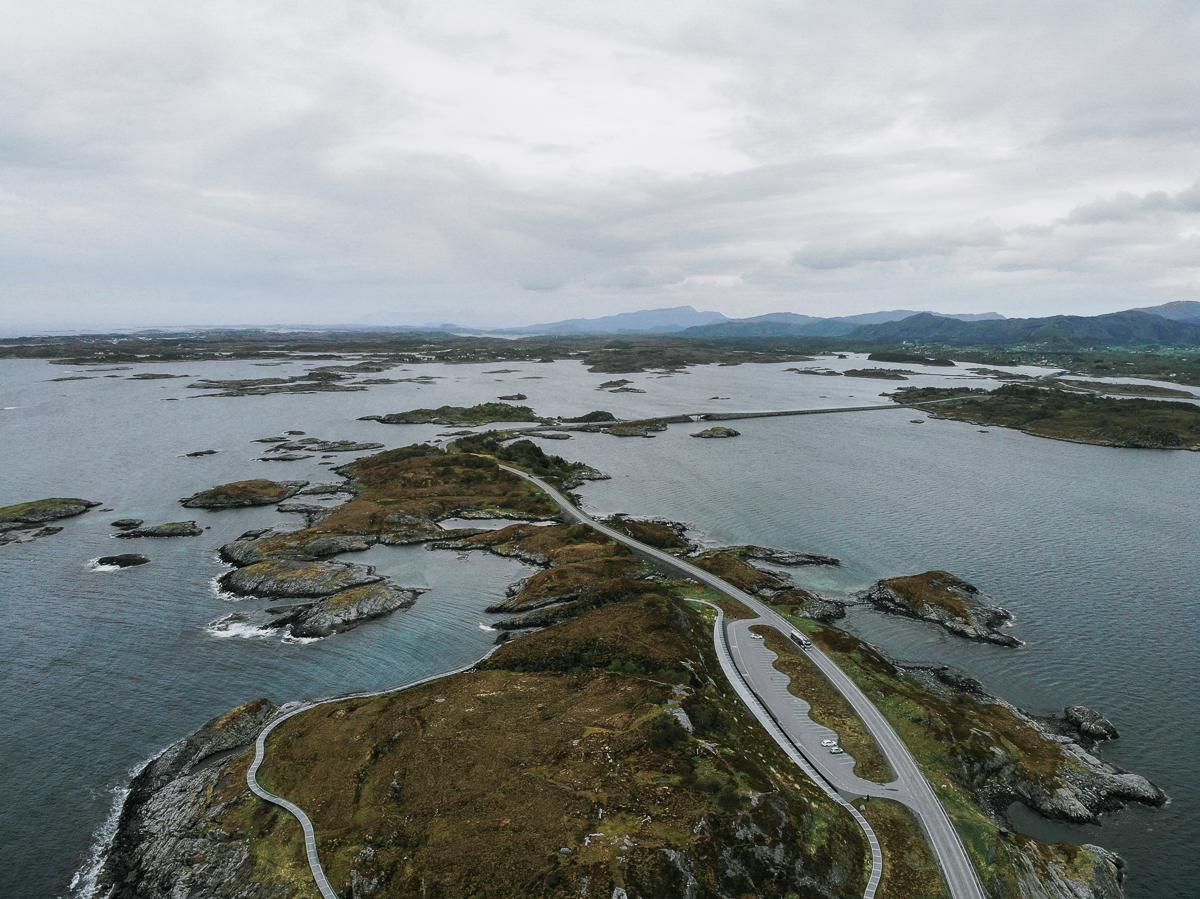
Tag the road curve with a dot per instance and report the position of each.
(915, 791)
(260, 749)
(779, 734)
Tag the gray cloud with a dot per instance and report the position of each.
(245, 162)
(1126, 207)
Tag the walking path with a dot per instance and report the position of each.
(260, 749)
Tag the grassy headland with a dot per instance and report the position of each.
(1067, 415)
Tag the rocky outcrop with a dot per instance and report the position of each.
(718, 432)
(946, 600)
(810, 605)
(786, 557)
(123, 560)
(636, 428)
(1098, 874)
(288, 578)
(345, 609)
(249, 547)
(167, 529)
(314, 445)
(1090, 724)
(311, 511)
(23, 522)
(238, 494)
(127, 524)
(1082, 725)
(881, 374)
(167, 844)
(316, 381)
(346, 593)
(1067, 782)
(483, 413)
(325, 490)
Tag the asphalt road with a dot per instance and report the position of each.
(779, 732)
(755, 667)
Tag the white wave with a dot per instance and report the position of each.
(83, 882)
(94, 565)
(214, 584)
(9, 408)
(244, 629)
(298, 641)
(485, 627)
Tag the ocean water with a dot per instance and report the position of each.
(1093, 549)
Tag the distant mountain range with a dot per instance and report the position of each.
(787, 324)
(1180, 310)
(645, 321)
(1170, 324)
(1130, 328)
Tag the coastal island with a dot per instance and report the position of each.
(645, 773)
(946, 600)
(1077, 416)
(27, 521)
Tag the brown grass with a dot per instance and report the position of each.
(738, 572)
(909, 867)
(936, 589)
(470, 786)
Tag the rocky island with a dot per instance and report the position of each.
(644, 769)
(481, 414)
(27, 521)
(239, 494)
(122, 560)
(167, 529)
(1072, 415)
(946, 600)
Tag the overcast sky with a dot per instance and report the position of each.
(507, 162)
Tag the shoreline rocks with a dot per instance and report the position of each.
(239, 494)
(717, 433)
(943, 599)
(1079, 788)
(345, 610)
(163, 829)
(785, 557)
(345, 594)
(1084, 725)
(315, 445)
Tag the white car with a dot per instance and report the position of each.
(829, 742)
(836, 750)
(756, 636)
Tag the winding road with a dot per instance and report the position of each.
(292, 710)
(754, 667)
(748, 666)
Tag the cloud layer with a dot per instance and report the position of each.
(251, 162)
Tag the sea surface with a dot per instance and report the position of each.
(1094, 550)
